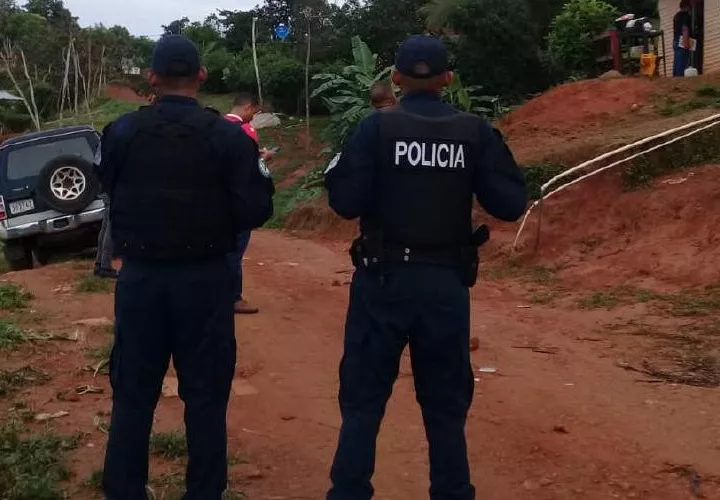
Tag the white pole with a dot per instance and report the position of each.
(257, 70)
(626, 148)
(606, 167)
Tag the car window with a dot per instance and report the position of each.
(29, 160)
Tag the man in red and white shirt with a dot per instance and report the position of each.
(245, 107)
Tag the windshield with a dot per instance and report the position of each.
(29, 160)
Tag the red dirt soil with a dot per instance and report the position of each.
(123, 93)
(545, 427)
(579, 106)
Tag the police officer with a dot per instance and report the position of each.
(183, 182)
(410, 174)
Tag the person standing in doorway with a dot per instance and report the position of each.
(682, 34)
(245, 107)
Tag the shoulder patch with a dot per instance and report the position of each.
(262, 167)
(333, 163)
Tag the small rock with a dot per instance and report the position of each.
(611, 75)
(474, 344)
(170, 387)
(243, 388)
(529, 485)
(288, 418)
(95, 322)
(560, 429)
(336, 283)
(42, 417)
(546, 481)
(248, 471)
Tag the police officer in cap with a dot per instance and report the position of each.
(410, 175)
(183, 182)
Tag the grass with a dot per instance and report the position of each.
(13, 380)
(94, 284)
(33, 467)
(600, 301)
(11, 336)
(101, 352)
(702, 302)
(170, 445)
(98, 117)
(94, 480)
(13, 297)
(286, 200)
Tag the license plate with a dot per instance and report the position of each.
(18, 207)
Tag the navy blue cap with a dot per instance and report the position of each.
(421, 57)
(175, 55)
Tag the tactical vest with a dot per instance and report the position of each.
(169, 201)
(424, 183)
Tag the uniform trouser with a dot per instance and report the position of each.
(235, 261)
(429, 308)
(103, 259)
(185, 311)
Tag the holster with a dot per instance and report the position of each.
(469, 258)
(366, 252)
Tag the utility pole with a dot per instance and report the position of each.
(255, 62)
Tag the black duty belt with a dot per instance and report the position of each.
(439, 256)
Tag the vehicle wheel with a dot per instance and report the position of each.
(18, 255)
(68, 184)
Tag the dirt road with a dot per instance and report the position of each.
(559, 420)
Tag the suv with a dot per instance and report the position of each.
(49, 194)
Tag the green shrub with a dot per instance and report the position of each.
(537, 175)
(282, 76)
(570, 41)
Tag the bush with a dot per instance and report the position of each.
(14, 121)
(282, 76)
(218, 63)
(570, 41)
(46, 98)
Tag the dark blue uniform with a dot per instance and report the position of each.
(422, 303)
(183, 182)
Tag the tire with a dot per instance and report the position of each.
(68, 184)
(18, 255)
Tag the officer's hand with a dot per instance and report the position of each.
(267, 155)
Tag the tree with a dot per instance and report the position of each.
(572, 32)
(176, 27)
(439, 12)
(494, 46)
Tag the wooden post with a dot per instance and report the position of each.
(308, 17)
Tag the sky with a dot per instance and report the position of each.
(145, 17)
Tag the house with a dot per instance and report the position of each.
(706, 21)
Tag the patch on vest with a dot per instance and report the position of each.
(333, 163)
(427, 154)
(263, 168)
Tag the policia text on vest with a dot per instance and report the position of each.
(429, 154)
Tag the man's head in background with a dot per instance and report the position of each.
(246, 106)
(422, 65)
(382, 95)
(686, 5)
(176, 68)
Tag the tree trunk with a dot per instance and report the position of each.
(307, 85)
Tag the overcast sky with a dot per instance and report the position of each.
(144, 17)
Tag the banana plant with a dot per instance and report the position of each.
(346, 95)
